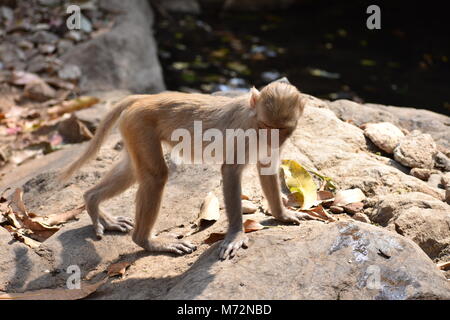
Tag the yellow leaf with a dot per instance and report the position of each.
(300, 183)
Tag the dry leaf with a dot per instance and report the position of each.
(214, 237)
(249, 226)
(300, 183)
(13, 221)
(444, 265)
(244, 197)
(55, 294)
(252, 225)
(344, 197)
(58, 218)
(210, 208)
(33, 244)
(118, 269)
(17, 201)
(82, 102)
(320, 213)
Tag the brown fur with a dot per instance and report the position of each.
(145, 121)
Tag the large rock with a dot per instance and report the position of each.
(416, 150)
(417, 216)
(435, 124)
(343, 260)
(384, 135)
(123, 58)
(339, 150)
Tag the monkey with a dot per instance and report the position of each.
(146, 122)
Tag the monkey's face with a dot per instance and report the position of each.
(279, 106)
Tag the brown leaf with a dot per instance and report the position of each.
(72, 105)
(118, 269)
(58, 218)
(33, 244)
(17, 201)
(13, 221)
(252, 225)
(55, 294)
(444, 265)
(210, 209)
(249, 226)
(214, 237)
(323, 213)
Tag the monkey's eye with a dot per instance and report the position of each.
(263, 125)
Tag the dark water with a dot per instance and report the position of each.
(323, 47)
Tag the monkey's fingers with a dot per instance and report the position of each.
(181, 247)
(228, 249)
(126, 220)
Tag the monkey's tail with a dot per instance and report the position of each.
(102, 131)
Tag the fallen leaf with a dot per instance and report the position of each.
(344, 197)
(252, 225)
(118, 269)
(444, 265)
(13, 221)
(210, 209)
(82, 102)
(300, 183)
(59, 218)
(17, 201)
(55, 294)
(249, 226)
(214, 237)
(33, 244)
(320, 213)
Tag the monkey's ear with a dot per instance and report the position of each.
(254, 97)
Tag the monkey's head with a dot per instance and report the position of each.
(278, 105)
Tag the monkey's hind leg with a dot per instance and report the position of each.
(152, 174)
(115, 182)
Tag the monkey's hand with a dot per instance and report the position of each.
(295, 217)
(232, 243)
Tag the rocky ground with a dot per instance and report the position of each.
(398, 158)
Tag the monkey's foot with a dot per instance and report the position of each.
(296, 217)
(159, 245)
(107, 222)
(231, 244)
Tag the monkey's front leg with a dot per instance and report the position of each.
(235, 238)
(271, 187)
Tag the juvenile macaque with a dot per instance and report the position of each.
(147, 121)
